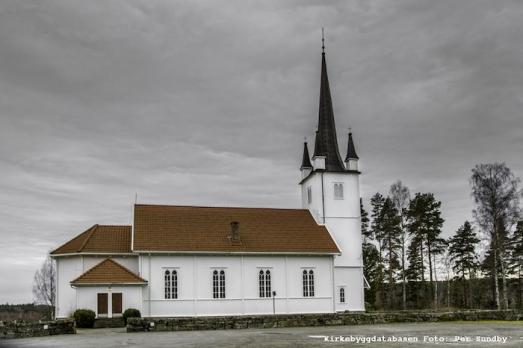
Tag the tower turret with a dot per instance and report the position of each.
(306, 165)
(351, 160)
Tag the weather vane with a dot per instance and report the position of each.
(322, 41)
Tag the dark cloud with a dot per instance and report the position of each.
(207, 103)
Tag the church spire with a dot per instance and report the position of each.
(326, 143)
(351, 149)
(306, 161)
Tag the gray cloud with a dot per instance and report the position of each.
(207, 103)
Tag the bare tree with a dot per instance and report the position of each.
(44, 283)
(496, 194)
(400, 196)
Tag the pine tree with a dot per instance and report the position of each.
(462, 251)
(371, 260)
(425, 223)
(376, 229)
(391, 233)
(415, 270)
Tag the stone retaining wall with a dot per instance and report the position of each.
(19, 329)
(300, 320)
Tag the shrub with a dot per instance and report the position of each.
(84, 318)
(131, 313)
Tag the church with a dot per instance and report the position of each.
(208, 261)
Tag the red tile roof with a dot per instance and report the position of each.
(207, 229)
(99, 239)
(108, 272)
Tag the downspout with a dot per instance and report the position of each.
(149, 288)
(322, 199)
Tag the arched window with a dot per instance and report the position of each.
(338, 190)
(305, 284)
(311, 283)
(342, 295)
(174, 284)
(218, 283)
(308, 283)
(215, 284)
(268, 292)
(167, 284)
(264, 283)
(261, 283)
(170, 284)
(222, 284)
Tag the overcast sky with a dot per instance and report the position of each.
(207, 103)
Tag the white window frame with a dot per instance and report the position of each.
(338, 191)
(264, 282)
(308, 283)
(170, 289)
(342, 294)
(219, 278)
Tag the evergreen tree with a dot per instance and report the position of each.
(376, 231)
(462, 252)
(391, 236)
(425, 223)
(371, 260)
(415, 271)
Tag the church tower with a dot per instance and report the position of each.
(330, 191)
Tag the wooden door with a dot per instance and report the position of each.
(117, 303)
(102, 303)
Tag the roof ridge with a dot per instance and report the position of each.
(69, 241)
(214, 207)
(93, 228)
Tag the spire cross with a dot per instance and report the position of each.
(322, 41)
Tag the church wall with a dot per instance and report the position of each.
(69, 268)
(351, 279)
(195, 295)
(88, 295)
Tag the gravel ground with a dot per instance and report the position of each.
(454, 334)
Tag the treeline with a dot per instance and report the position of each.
(29, 311)
(410, 265)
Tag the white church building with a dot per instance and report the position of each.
(205, 261)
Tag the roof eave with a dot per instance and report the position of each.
(315, 253)
(110, 284)
(92, 254)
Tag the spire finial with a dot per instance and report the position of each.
(322, 40)
(350, 130)
(304, 139)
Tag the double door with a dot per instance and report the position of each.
(103, 304)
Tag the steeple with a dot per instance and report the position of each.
(306, 161)
(351, 160)
(351, 149)
(326, 143)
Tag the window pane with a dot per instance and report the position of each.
(268, 284)
(311, 283)
(305, 284)
(261, 284)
